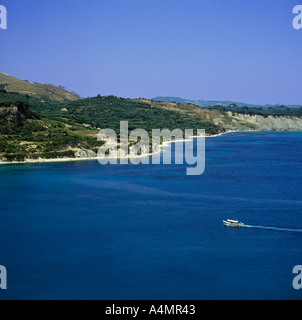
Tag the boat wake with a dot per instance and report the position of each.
(272, 228)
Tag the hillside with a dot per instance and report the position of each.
(48, 130)
(108, 111)
(33, 128)
(26, 135)
(36, 90)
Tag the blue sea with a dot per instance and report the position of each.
(81, 230)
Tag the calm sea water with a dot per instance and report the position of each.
(80, 230)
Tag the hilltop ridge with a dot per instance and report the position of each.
(211, 103)
(34, 89)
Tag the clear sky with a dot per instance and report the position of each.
(240, 50)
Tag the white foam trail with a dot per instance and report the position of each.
(272, 228)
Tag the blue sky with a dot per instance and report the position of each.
(240, 50)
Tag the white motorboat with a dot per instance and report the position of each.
(232, 223)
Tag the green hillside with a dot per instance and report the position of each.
(41, 122)
(31, 128)
(108, 111)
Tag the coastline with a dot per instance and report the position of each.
(32, 161)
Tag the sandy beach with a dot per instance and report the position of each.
(30, 161)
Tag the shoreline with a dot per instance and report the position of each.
(33, 161)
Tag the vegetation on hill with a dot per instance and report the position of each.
(107, 112)
(39, 121)
(277, 111)
(59, 129)
(216, 103)
(26, 135)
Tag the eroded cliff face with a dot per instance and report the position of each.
(270, 123)
(14, 113)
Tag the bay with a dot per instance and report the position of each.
(80, 230)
